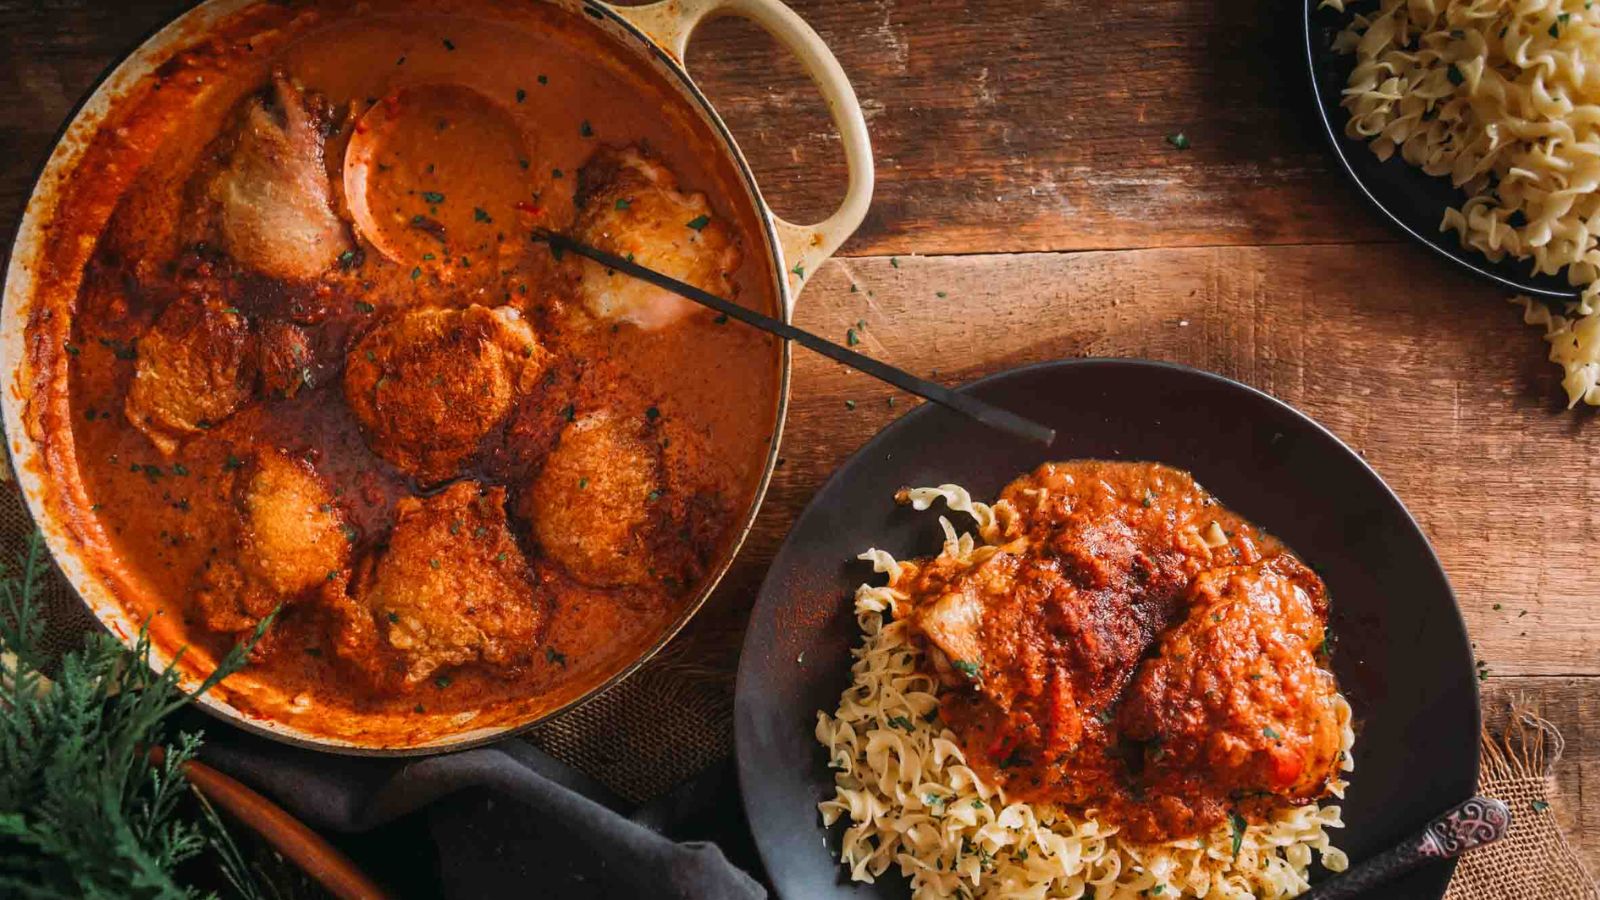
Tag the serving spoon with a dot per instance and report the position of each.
(966, 404)
(1476, 823)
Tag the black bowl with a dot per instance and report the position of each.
(1411, 198)
(1402, 654)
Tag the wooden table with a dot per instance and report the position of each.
(1029, 207)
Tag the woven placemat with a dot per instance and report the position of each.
(1534, 861)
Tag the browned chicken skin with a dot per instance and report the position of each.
(451, 588)
(274, 197)
(1235, 704)
(429, 384)
(596, 499)
(290, 542)
(195, 367)
(630, 205)
(1043, 647)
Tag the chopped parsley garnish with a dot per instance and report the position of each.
(977, 803)
(569, 412)
(521, 95)
(583, 483)
(1178, 140)
(544, 79)
(623, 203)
(901, 722)
(350, 533)
(652, 414)
(698, 222)
(557, 173)
(653, 496)
(441, 682)
(555, 657)
(433, 197)
(364, 307)
(932, 800)
(180, 469)
(416, 273)
(585, 129)
(478, 215)
(965, 667)
(1236, 824)
(347, 259)
(799, 269)
(851, 338)
(394, 616)
(1271, 733)
(448, 45)
(233, 462)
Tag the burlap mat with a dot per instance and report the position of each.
(672, 720)
(1534, 861)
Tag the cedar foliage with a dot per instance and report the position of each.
(85, 811)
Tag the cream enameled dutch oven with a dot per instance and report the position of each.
(657, 34)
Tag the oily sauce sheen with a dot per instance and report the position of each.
(314, 363)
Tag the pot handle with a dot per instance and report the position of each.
(670, 24)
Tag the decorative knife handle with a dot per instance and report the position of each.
(1473, 824)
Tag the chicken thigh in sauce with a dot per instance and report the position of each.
(276, 203)
(630, 205)
(1235, 704)
(430, 383)
(1045, 641)
(452, 587)
(289, 541)
(195, 367)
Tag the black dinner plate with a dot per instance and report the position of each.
(1402, 655)
(1409, 197)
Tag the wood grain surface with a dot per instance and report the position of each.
(1012, 137)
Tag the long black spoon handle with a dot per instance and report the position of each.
(1475, 823)
(965, 404)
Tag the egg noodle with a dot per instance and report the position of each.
(902, 784)
(1502, 96)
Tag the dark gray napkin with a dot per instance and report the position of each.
(507, 820)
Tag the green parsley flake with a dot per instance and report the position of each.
(1236, 824)
(1179, 140)
(969, 669)
(433, 197)
(521, 95)
(478, 215)
(698, 222)
(623, 203)
(585, 129)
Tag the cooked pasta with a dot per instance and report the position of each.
(1503, 98)
(911, 801)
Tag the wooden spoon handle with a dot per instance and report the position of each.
(288, 835)
(1475, 823)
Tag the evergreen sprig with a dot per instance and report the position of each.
(87, 810)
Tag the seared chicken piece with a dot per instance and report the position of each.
(452, 588)
(429, 384)
(630, 205)
(273, 194)
(1235, 695)
(595, 503)
(196, 366)
(290, 542)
